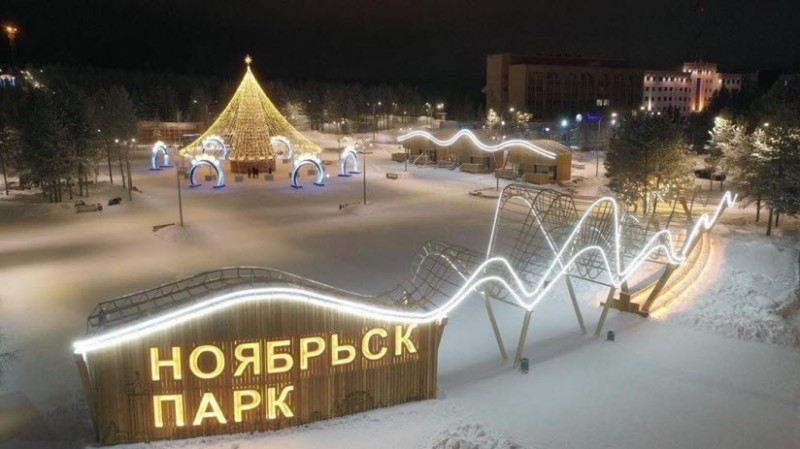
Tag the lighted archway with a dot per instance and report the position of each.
(209, 161)
(348, 153)
(217, 144)
(159, 148)
(298, 164)
(286, 143)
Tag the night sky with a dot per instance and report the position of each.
(434, 41)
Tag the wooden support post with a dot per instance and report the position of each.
(496, 329)
(606, 306)
(662, 281)
(575, 304)
(523, 335)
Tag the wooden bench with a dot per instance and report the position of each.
(157, 227)
(474, 168)
(80, 208)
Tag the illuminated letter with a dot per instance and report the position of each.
(365, 349)
(254, 358)
(336, 350)
(239, 407)
(158, 400)
(203, 412)
(306, 353)
(219, 361)
(272, 356)
(174, 363)
(280, 403)
(404, 339)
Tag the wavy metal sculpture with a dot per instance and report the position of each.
(471, 136)
(538, 237)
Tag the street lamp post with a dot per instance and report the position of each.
(178, 179)
(119, 158)
(128, 164)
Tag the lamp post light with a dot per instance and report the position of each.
(11, 33)
(429, 110)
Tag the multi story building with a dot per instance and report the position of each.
(688, 90)
(554, 87)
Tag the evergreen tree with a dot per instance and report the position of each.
(647, 154)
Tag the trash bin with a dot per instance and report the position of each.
(524, 365)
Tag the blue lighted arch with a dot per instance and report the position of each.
(296, 172)
(348, 153)
(159, 149)
(215, 143)
(193, 172)
(285, 142)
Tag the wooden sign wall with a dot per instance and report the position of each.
(257, 366)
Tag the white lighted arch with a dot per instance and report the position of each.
(354, 304)
(215, 143)
(208, 161)
(304, 161)
(489, 148)
(280, 140)
(159, 149)
(348, 153)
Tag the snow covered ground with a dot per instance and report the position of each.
(720, 368)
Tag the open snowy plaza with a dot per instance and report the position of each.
(719, 367)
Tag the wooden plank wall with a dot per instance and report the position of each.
(123, 390)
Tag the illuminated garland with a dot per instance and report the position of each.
(469, 135)
(526, 299)
(247, 124)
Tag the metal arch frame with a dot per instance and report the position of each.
(286, 143)
(193, 172)
(303, 162)
(348, 153)
(159, 148)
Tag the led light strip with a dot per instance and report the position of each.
(523, 297)
(469, 135)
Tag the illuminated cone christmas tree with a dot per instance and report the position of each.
(247, 124)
